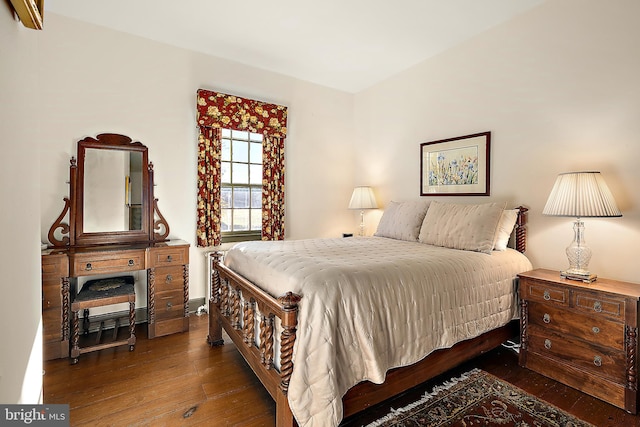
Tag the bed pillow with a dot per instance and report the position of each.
(505, 227)
(458, 226)
(402, 220)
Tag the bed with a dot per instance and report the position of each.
(333, 326)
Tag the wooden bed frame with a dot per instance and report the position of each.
(246, 299)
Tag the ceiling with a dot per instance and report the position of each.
(343, 44)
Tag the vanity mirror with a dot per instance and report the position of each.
(110, 196)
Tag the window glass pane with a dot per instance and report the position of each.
(240, 219)
(225, 219)
(225, 172)
(256, 219)
(241, 177)
(256, 197)
(240, 173)
(240, 134)
(240, 151)
(255, 153)
(226, 150)
(225, 197)
(241, 197)
(255, 174)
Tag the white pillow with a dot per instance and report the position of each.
(402, 220)
(456, 226)
(505, 227)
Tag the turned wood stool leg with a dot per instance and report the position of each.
(85, 321)
(75, 337)
(132, 325)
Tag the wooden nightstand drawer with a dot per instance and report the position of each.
(600, 331)
(609, 364)
(542, 291)
(599, 305)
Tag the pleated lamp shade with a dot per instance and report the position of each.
(581, 195)
(362, 198)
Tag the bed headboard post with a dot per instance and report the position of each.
(521, 229)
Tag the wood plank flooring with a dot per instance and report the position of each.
(178, 380)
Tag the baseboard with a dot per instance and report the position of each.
(141, 315)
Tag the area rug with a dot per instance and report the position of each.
(477, 398)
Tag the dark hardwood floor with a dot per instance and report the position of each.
(178, 380)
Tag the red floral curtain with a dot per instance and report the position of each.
(217, 110)
(208, 224)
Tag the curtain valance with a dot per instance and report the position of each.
(218, 110)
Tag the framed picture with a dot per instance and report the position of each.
(456, 166)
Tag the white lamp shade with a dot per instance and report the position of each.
(581, 195)
(363, 198)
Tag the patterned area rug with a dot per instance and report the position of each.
(479, 399)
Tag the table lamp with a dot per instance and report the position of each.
(362, 198)
(580, 195)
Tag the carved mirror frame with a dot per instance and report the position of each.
(154, 228)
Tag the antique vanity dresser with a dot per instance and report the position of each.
(114, 228)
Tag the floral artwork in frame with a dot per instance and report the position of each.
(456, 166)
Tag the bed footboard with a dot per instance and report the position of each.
(238, 306)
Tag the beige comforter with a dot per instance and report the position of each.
(371, 304)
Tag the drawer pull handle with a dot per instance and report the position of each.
(131, 263)
(547, 344)
(169, 305)
(169, 278)
(169, 258)
(546, 296)
(88, 267)
(597, 306)
(546, 318)
(597, 361)
(595, 330)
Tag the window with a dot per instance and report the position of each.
(241, 185)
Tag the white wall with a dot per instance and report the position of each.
(20, 334)
(96, 80)
(558, 87)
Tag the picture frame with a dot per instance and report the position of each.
(457, 166)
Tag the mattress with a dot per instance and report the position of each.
(371, 304)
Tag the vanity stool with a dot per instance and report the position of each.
(100, 293)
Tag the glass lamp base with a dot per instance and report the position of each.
(585, 276)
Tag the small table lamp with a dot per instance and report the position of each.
(580, 195)
(362, 198)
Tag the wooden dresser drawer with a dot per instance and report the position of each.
(107, 262)
(603, 332)
(599, 305)
(55, 266)
(169, 305)
(52, 295)
(590, 358)
(543, 291)
(170, 255)
(169, 278)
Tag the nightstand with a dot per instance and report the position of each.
(582, 335)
